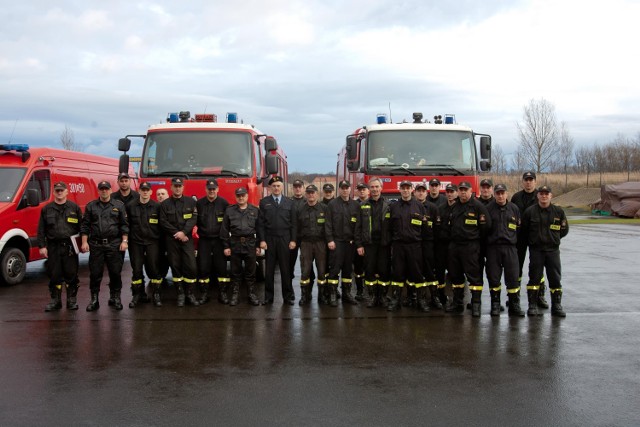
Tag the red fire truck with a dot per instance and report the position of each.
(200, 148)
(416, 151)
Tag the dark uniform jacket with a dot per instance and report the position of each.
(298, 202)
(468, 221)
(133, 195)
(240, 223)
(372, 224)
(144, 221)
(178, 215)
(210, 216)
(277, 221)
(544, 227)
(58, 222)
(505, 223)
(105, 220)
(524, 200)
(440, 201)
(432, 218)
(443, 232)
(312, 222)
(343, 216)
(486, 201)
(407, 219)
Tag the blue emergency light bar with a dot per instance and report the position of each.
(381, 119)
(449, 119)
(20, 148)
(173, 118)
(232, 117)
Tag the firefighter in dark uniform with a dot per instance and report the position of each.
(298, 200)
(105, 232)
(161, 195)
(277, 229)
(485, 197)
(211, 209)
(432, 218)
(144, 246)
(59, 221)
(501, 251)
(544, 225)
(178, 216)
(343, 215)
(358, 260)
(434, 195)
(468, 222)
(443, 238)
(524, 199)
(407, 223)
(328, 194)
(373, 242)
(312, 230)
(241, 243)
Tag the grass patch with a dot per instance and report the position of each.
(605, 220)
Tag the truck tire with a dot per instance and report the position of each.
(14, 266)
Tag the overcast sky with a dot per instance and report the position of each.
(311, 72)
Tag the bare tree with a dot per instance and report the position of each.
(539, 133)
(68, 140)
(498, 162)
(518, 161)
(565, 152)
(583, 156)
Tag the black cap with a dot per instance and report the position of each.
(60, 186)
(361, 186)
(487, 182)
(212, 184)
(144, 186)
(464, 184)
(499, 187)
(344, 183)
(421, 185)
(327, 187)
(177, 181)
(434, 181)
(276, 178)
(240, 191)
(405, 183)
(311, 189)
(104, 184)
(451, 187)
(298, 183)
(529, 174)
(544, 189)
(123, 175)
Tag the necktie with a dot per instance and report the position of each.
(277, 201)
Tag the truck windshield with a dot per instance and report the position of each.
(197, 153)
(10, 179)
(422, 151)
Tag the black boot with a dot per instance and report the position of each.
(359, 289)
(495, 303)
(396, 298)
(143, 298)
(117, 302)
(72, 297)
(135, 291)
(94, 304)
(181, 297)
(422, 301)
(235, 292)
(434, 301)
(410, 298)
(457, 303)
(190, 297)
(514, 305)
(253, 298)
(156, 295)
(56, 299)
(204, 293)
(223, 298)
(371, 296)
(475, 303)
(333, 295)
(533, 303)
(556, 304)
(542, 302)
(346, 294)
(112, 297)
(383, 301)
(442, 296)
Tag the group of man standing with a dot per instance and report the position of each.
(422, 242)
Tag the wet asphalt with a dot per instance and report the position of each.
(290, 366)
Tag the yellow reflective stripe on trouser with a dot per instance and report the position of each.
(553, 291)
(369, 283)
(496, 288)
(305, 282)
(322, 282)
(332, 281)
(435, 283)
(224, 280)
(441, 285)
(204, 281)
(533, 287)
(136, 282)
(346, 280)
(542, 280)
(189, 280)
(513, 291)
(177, 279)
(383, 283)
(475, 287)
(400, 284)
(458, 286)
(156, 281)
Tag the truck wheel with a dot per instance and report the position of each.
(14, 266)
(260, 270)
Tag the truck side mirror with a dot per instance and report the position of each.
(271, 163)
(124, 144)
(485, 165)
(485, 148)
(352, 147)
(33, 197)
(124, 163)
(270, 144)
